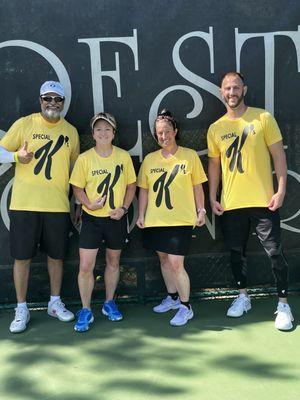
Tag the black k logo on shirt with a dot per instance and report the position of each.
(235, 150)
(106, 187)
(162, 187)
(45, 154)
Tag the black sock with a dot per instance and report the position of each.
(186, 303)
(174, 296)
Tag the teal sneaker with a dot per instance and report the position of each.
(84, 319)
(110, 309)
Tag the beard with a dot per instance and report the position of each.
(52, 114)
(238, 102)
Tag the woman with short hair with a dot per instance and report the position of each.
(104, 182)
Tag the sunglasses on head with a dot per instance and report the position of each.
(48, 99)
(106, 117)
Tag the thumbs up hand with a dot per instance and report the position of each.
(23, 155)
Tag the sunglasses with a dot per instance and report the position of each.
(107, 117)
(48, 99)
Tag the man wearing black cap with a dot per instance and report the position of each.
(39, 204)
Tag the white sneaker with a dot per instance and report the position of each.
(182, 316)
(240, 305)
(167, 304)
(284, 318)
(58, 310)
(22, 317)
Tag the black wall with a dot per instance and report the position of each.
(132, 58)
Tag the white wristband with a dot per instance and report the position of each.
(201, 210)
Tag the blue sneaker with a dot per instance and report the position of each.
(110, 309)
(84, 319)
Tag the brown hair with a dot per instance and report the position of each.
(166, 115)
(234, 73)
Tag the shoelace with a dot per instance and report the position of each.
(20, 313)
(61, 306)
(236, 302)
(167, 300)
(114, 311)
(283, 310)
(182, 311)
(82, 316)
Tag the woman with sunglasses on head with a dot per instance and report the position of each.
(171, 203)
(104, 182)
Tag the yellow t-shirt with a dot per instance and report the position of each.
(242, 145)
(43, 184)
(104, 175)
(170, 184)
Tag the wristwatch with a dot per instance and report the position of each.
(125, 210)
(201, 210)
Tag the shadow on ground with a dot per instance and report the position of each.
(144, 357)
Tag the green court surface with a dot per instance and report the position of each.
(143, 358)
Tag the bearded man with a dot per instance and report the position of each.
(241, 145)
(44, 146)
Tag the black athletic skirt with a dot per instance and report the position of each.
(168, 239)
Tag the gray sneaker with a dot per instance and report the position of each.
(167, 304)
(183, 315)
(240, 305)
(22, 317)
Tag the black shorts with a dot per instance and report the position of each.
(168, 239)
(98, 230)
(30, 229)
